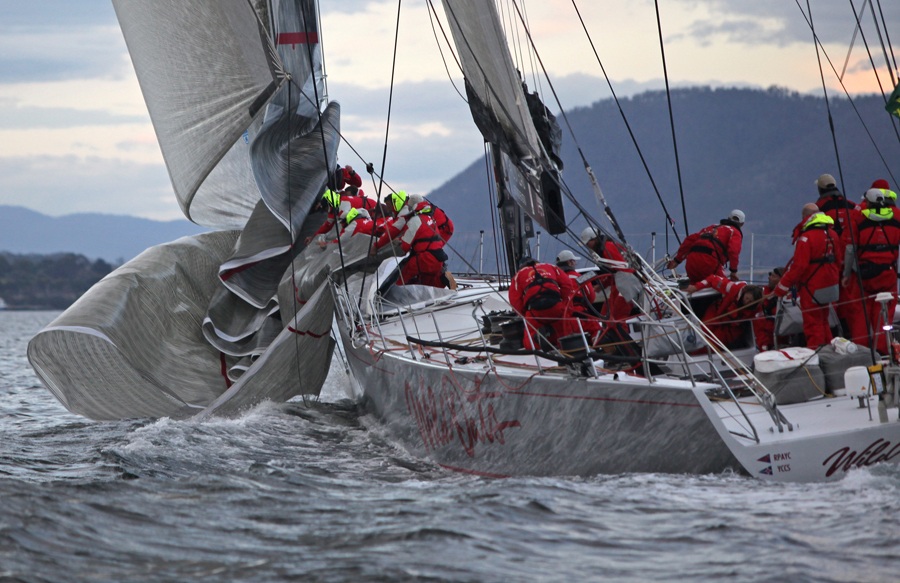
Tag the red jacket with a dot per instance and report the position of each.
(844, 214)
(539, 278)
(818, 257)
(416, 233)
(346, 178)
(585, 292)
(721, 241)
(441, 220)
(360, 227)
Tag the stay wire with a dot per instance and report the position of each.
(874, 68)
(329, 173)
(887, 60)
(431, 19)
(838, 156)
(387, 131)
(888, 36)
(846, 92)
(662, 50)
(671, 222)
(852, 42)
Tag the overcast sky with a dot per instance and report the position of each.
(75, 135)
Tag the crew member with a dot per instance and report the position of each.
(347, 177)
(708, 252)
(729, 317)
(845, 216)
(881, 184)
(418, 237)
(764, 320)
(336, 205)
(815, 271)
(585, 295)
(355, 222)
(540, 292)
(609, 255)
(423, 206)
(876, 258)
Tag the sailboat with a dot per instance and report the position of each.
(217, 323)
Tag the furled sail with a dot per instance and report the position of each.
(204, 81)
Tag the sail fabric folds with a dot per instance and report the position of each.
(132, 345)
(492, 83)
(204, 81)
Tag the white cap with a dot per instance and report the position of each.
(588, 234)
(566, 255)
(737, 216)
(875, 195)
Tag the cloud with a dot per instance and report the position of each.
(350, 6)
(48, 53)
(58, 185)
(781, 22)
(50, 13)
(18, 118)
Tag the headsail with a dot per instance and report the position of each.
(204, 83)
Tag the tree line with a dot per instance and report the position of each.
(47, 282)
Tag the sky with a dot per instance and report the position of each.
(75, 135)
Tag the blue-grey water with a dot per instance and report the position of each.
(316, 493)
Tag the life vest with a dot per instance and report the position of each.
(880, 225)
(541, 293)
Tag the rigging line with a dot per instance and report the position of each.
(888, 36)
(492, 203)
(887, 60)
(837, 153)
(874, 68)
(630, 131)
(847, 93)
(862, 35)
(662, 50)
(321, 47)
(852, 42)
(575, 139)
(441, 51)
(387, 131)
(534, 76)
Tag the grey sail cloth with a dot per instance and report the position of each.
(281, 158)
(297, 361)
(251, 276)
(205, 79)
(132, 346)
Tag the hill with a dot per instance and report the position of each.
(756, 150)
(113, 238)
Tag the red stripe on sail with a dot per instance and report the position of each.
(307, 333)
(298, 38)
(225, 370)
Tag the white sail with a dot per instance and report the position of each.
(204, 81)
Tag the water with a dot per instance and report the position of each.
(289, 493)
